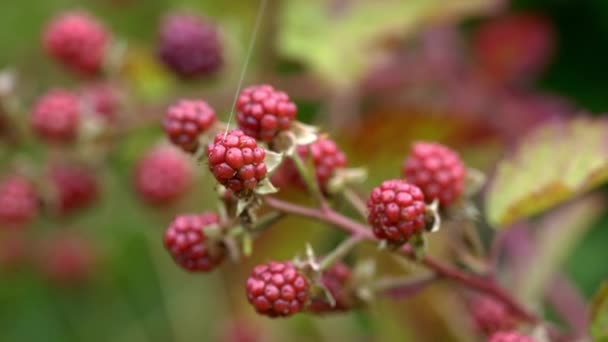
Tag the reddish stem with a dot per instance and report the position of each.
(479, 283)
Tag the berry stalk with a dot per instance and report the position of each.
(479, 283)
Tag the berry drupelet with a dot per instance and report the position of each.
(78, 41)
(189, 46)
(437, 171)
(236, 161)
(75, 187)
(277, 289)
(185, 239)
(396, 211)
(509, 336)
(186, 120)
(56, 116)
(162, 176)
(18, 202)
(263, 112)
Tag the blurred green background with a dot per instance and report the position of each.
(329, 55)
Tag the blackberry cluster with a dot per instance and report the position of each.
(277, 289)
(189, 46)
(78, 41)
(263, 112)
(186, 120)
(437, 171)
(236, 161)
(185, 239)
(396, 211)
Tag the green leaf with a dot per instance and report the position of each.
(599, 315)
(341, 45)
(553, 164)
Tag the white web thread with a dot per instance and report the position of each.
(254, 35)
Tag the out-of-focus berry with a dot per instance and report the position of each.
(56, 116)
(490, 315)
(509, 336)
(18, 202)
(67, 260)
(162, 176)
(189, 46)
(514, 47)
(335, 279)
(75, 187)
(76, 40)
(437, 171)
(102, 99)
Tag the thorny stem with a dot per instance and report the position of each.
(479, 283)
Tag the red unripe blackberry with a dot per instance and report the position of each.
(185, 239)
(76, 40)
(277, 289)
(437, 171)
(186, 120)
(263, 111)
(75, 187)
(67, 260)
(189, 46)
(514, 47)
(335, 279)
(490, 315)
(18, 202)
(236, 161)
(396, 211)
(56, 116)
(162, 176)
(102, 99)
(509, 336)
(326, 157)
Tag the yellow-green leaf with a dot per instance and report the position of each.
(599, 315)
(339, 44)
(554, 163)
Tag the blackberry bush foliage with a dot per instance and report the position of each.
(83, 132)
